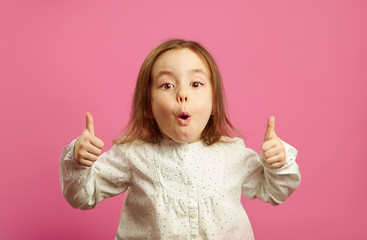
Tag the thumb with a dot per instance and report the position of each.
(89, 123)
(270, 128)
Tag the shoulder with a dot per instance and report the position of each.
(236, 145)
(231, 142)
(136, 147)
(229, 145)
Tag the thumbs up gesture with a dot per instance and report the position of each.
(88, 147)
(272, 147)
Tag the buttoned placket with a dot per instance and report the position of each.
(192, 195)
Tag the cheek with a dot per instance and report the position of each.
(160, 107)
(205, 102)
(204, 108)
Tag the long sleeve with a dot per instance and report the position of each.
(84, 187)
(271, 185)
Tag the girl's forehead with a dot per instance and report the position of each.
(179, 60)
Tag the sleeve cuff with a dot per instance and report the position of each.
(67, 158)
(290, 158)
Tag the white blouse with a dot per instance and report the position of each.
(179, 191)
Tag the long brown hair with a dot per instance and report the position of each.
(142, 125)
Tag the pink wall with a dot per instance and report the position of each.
(303, 61)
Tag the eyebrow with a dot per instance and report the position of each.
(169, 73)
(200, 70)
(160, 73)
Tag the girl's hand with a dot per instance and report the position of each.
(272, 147)
(88, 147)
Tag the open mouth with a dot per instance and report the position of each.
(184, 118)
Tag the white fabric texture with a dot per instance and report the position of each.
(179, 191)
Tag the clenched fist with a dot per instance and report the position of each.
(88, 147)
(272, 147)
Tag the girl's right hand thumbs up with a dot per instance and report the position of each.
(88, 147)
(89, 123)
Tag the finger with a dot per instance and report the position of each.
(270, 128)
(95, 141)
(276, 165)
(94, 150)
(89, 156)
(269, 144)
(89, 123)
(85, 162)
(272, 160)
(271, 152)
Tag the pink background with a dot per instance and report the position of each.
(303, 61)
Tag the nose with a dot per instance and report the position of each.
(182, 95)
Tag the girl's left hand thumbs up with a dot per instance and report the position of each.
(272, 147)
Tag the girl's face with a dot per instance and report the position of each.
(181, 95)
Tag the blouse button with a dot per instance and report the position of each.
(189, 182)
(193, 215)
(186, 149)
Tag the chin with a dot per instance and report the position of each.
(185, 139)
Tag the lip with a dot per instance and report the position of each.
(184, 118)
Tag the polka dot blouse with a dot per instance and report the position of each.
(179, 191)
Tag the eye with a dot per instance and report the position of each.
(166, 86)
(196, 84)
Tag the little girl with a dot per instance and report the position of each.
(183, 172)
